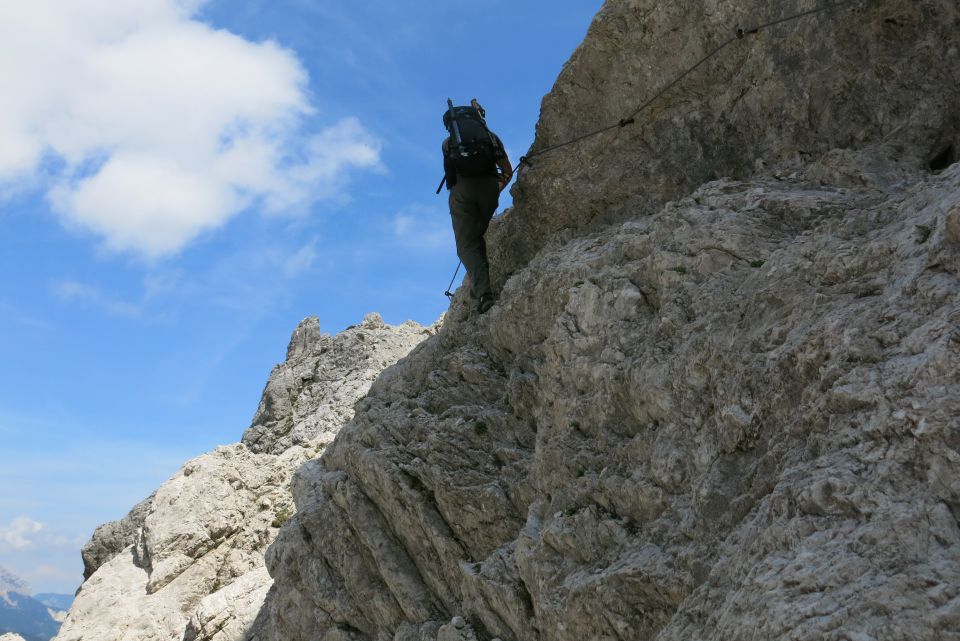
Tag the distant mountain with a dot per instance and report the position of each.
(10, 582)
(26, 616)
(30, 617)
(55, 601)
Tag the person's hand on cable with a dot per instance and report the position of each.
(506, 171)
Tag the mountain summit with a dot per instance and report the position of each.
(9, 582)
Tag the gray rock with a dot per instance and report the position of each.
(881, 75)
(192, 566)
(228, 614)
(737, 414)
(312, 394)
(456, 630)
(112, 538)
(718, 396)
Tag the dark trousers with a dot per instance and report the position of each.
(472, 204)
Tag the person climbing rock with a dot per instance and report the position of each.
(476, 169)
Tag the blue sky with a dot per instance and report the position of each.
(181, 181)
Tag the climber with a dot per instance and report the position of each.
(476, 169)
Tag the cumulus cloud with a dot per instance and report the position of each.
(152, 127)
(20, 534)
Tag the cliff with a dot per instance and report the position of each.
(718, 397)
(188, 562)
(737, 416)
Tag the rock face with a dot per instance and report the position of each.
(111, 538)
(312, 394)
(737, 414)
(10, 636)
(188, 563)
(719, 395)
(878, 73)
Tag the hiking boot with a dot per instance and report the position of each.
(486, 302)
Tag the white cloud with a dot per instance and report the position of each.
(162, 127)
(247, 279)
(19, 534)
(74, 291)
(403, 224)
(301, 260)
(423, 227)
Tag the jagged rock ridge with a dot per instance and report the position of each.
(719, 396)
(187, 563)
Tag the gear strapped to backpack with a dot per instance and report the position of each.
(473, 148)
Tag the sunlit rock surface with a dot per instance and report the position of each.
(192, 561)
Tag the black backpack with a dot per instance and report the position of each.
(472, 149)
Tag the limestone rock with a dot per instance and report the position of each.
(456, 630)
(192, 566)
(738, 414)
(57, 615)
(718, 396)
(227, 615)
(11, 636)
(112, 538)
(204, 535)
(312, 394)
(873, 74)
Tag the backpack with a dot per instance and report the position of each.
(476, 153)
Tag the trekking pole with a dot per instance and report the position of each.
(448, 293)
